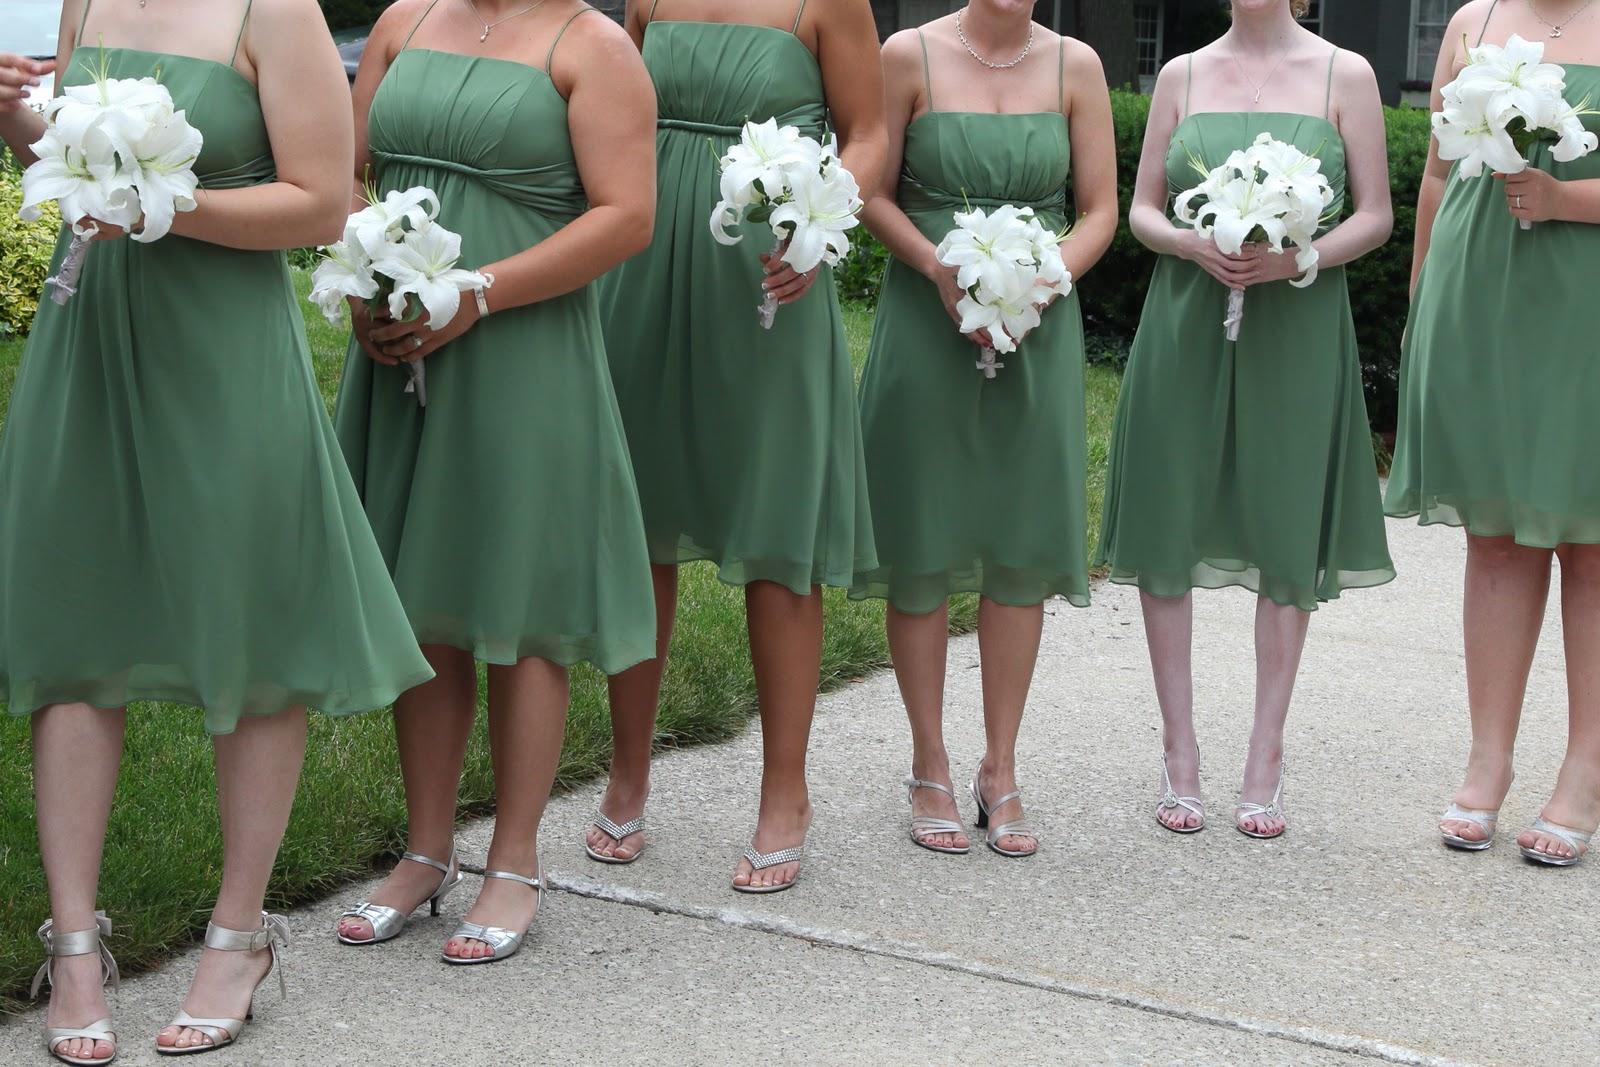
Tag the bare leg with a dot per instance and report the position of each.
(1576, 800)
(527, 718)
(1280, 640)
(786, 649)
(1507, 587)
(432, 725)
(1169, 631)
(1008, 645)
(635, 700)
(917, 645)
(76, 752)
(258, 770)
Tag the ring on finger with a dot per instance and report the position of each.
(1519, 201)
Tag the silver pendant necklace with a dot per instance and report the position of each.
(1261, 88)
(488, 27)
(991, 64)
(1557, 27)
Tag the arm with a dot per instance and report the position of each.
(1437, 170)
(635, 18)
(388, 34)
(20, 127)
(611, 118)
(302, 87)
(1094, 160)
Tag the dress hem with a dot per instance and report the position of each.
(1452, 517)
(1206, 575)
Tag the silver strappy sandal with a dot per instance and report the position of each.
(1017, 828)
(78, 943)
(503, 943)
(388, 922)
(926, 826)
(1171, 801)
(1482, 818)
(1274, 810)
(760, 861)
(617, 832)
(1575, 838)
(274, 933)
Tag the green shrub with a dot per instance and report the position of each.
(25, 251)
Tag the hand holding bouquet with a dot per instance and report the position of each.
(395, 254)
(796, 185)
(114, 152)
(1010, 267)
(1504, 100)
(1270, 193)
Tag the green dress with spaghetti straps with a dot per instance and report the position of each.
(506, 508)
(1498, 391)
(746, 442)
(977, 484)
(176, 521)
(1245, 463)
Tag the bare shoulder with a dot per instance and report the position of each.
(289, 15)
(1081, 59)
(601, 39)
(902, 52)
(1474, 13)
(841, 14)
(1352, 73)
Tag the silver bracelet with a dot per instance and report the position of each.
(482, 298)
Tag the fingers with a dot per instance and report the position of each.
(393, 331)
(788, 286)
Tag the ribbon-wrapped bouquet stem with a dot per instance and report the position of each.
(1505, 100)
(1271, 194)
(394, 254)
(115, 152)
(796, 185)
(1010, 267)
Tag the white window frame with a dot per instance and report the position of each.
(1412, 73)
(1319, 23)
(1147, 82)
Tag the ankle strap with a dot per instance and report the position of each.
(274, 931)
(914, 784)
(511, 876)
(442, 868)
(76, 943)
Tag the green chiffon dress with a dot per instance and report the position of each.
(506, 508)
(977, 484)
(1245, 463)
(1498, 392)
(176, 522)
(746, 442)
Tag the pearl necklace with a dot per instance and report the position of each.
(973, 52)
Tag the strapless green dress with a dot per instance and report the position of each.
(506, 508)
(1498, 394)
(977, 484)
(746, 442)
(176, 522)
(1245, 463)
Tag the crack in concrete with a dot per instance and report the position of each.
(921, 955)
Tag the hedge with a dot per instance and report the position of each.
(1114, 296)
(25, 251)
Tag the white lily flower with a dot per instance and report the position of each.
(985, 248)
(821, 211)
(1508, 81)
(86, 183)
(166, 180)
(381, 225)
(423, 265)
(757, 168)
(1465, 132)
(345, 271)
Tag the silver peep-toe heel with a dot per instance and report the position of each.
(1577, 839)
(993, 834)
(388, 922)
(78, 943)
(503, 943)
(1482, 818)
(274, 933)
(926, 826)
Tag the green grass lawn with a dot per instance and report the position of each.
(163, 854)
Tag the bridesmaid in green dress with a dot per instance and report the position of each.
(176, 522)
(1498, 432)
(746, 443)
(1247, 463)
(978, 484)
(506, 506)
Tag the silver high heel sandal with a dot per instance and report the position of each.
(1274, 810)
(1575, 838)
(993, 834)
(388, 922)
(760, 861)
(78, 943)
(503, 943)
(926, 826)
(617, 832)
(274, 932)
(1171, 801)
(1482, 818)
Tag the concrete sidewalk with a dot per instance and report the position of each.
(1356, 938)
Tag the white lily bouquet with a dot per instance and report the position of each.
(1010, 266)
(114, 152)
(1270, 193)
(796, 185)
(394, 253)
(1504, 100)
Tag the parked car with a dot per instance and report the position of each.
(352, 43)
(29, 28)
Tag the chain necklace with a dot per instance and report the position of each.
(973, 52)
(1557, 27)
(488, 27)
(1259, 89)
